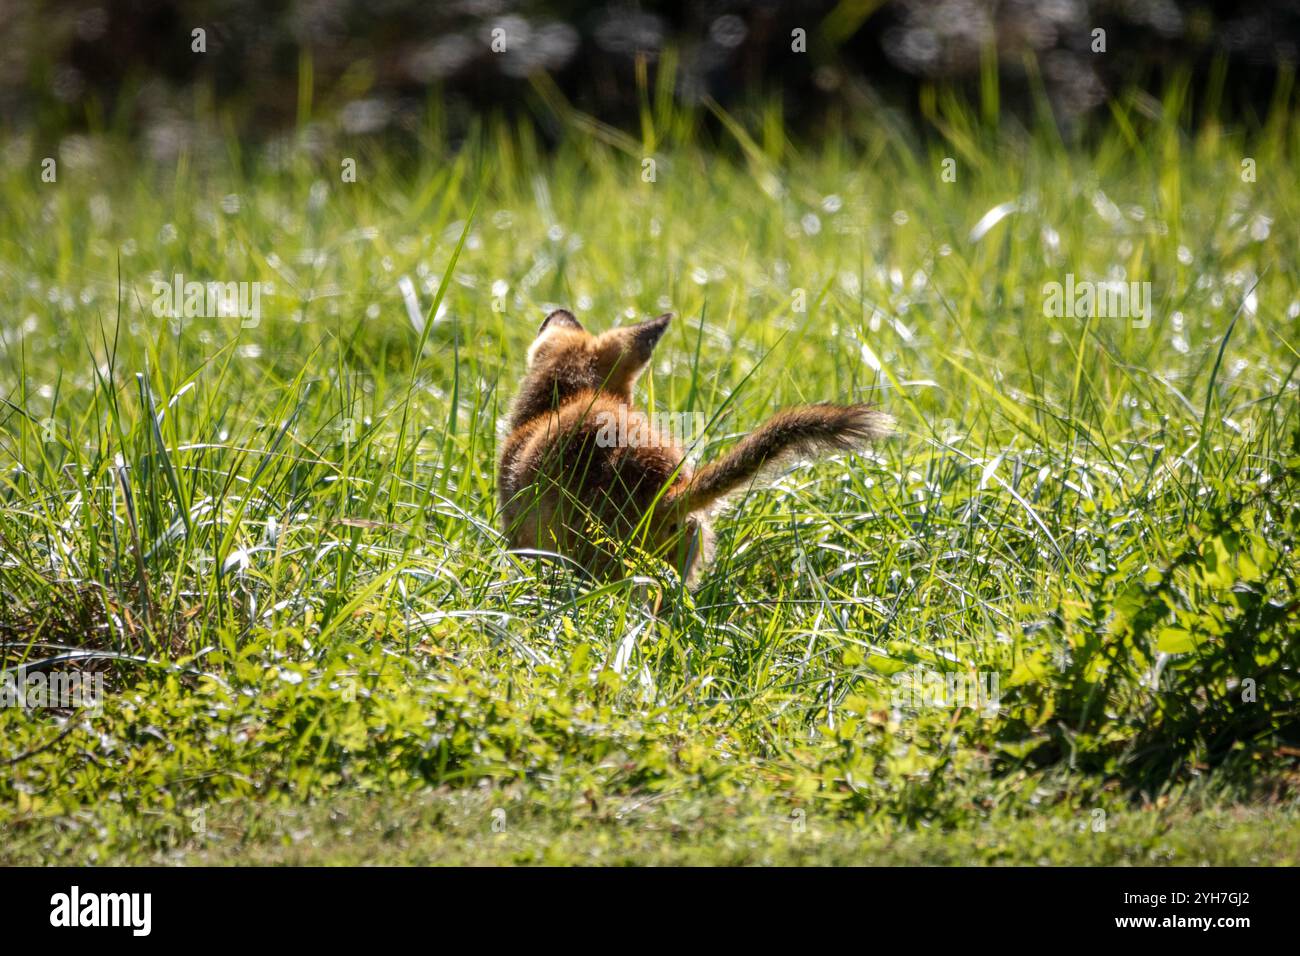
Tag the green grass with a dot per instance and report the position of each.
(279, 541)
(511, 827)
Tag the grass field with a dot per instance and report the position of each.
(275, 537)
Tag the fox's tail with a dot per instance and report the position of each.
(799, 430)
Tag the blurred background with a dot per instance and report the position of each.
(375, 66)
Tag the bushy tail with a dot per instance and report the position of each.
(800, 430)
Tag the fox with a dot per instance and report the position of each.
(565, 488)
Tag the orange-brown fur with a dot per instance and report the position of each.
(565, 490)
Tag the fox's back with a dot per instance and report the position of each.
(591, 460)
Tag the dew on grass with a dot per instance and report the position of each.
(360, 117)
(317, 195)
(728, 31)
(236, 561)
(1105, 208)
(440, 58)
(991, 219)
(1051, 240)
(414, 313)
(101, 211)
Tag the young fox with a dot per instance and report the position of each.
(566, 487)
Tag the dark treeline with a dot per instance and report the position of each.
(374, 64)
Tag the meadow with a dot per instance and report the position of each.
(1051, 620)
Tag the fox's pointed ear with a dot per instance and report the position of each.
(560, 319)
(645, 335)
(627, 349)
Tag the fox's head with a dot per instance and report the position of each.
(566, 359)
